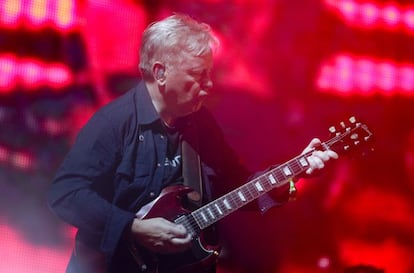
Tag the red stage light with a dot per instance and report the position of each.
(4, 154)
(21, 160)
(17, 159)
(28, 257)
(55, 127)
(408, 18)
(386, 77)
(38, 13)
(65, 13)
(31, 74)
(57, 76)
(371, 14)
(406, 78)
(365, 77)
(391, 15)
(348, 75)
(7, 70)
(10, 11)
(348, 9)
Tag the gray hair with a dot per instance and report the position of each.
(166, 40)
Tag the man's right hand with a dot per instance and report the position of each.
(160, 235)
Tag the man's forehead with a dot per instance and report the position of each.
(193, 61)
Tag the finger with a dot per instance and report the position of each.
(324, 156)
(309, 171)
(311, 165)
(179, 231)
(172, 230)
(181, 241)
(315, 162)
(175, 244)
(315, 142)
(332, 154)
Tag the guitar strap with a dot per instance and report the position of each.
(192, 171)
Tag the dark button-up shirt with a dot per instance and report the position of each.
(116, 166)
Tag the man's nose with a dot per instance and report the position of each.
(207, 85)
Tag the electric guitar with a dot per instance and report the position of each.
(169, 204)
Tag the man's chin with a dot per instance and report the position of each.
(197, 107)
(192, 110)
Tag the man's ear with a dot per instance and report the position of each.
(158, 71)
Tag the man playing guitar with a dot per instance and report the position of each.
(125, 171)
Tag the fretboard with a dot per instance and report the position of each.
(343, 140)
(232, 201)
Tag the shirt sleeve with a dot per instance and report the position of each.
(81, 191)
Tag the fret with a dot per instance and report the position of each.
(278, 174)
(272, 179)
(189, 223)
(218, 209)
(264, 181)
(269, 181)
(259, 186)
(235, 199)
(241, 196)
(204, 216)
(295, 167)
(286, 171)
(226, 204)
(232, 200)
(303, 162)
(298, 164)
(210, 212)
(250, 191)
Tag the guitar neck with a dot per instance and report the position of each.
(342, 141)
(241, 196)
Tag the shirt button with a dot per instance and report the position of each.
(141, 137)
(152, 194)
(162, 137)
(159, 164)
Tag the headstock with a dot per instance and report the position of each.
(348, 136)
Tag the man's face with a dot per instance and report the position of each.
(188, 83)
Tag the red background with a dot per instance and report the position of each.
(285, 72)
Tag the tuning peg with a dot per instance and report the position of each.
(332, 129)
(342, 124)
(352, 119)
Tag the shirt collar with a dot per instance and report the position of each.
(145, 108)
(147, 114)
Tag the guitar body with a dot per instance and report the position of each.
(169, 205)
